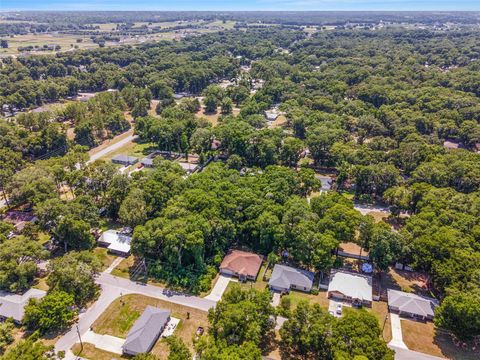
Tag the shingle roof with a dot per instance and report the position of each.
(146, 330)
(116, 241)
(242, 262)
(355, 286)
(147, 161)
(12, 305)
(284, 276)
(411, 303)
(125, 158)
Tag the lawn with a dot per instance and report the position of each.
(92, 353)
(122, 313)
(123, 269)
(297, 296)
(132, 149)
(105, 258)
(426, 338)
(380, 310)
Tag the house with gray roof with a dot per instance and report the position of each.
(147, 162)
(284, 278)
(146, 330)
(12, 305)
(124, 160)
(411, 305)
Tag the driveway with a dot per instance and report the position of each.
(276, 299)
(332, 307)
(109, 343)
(219, 288)
(397, 337)
(405, 354)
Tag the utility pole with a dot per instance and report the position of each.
(384, 322)
(80, 338)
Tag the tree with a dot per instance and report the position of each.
(145, 356)
(459, 312)
(291, 150)
(226, 106)
(178, 349)
(10, 162)
(6, 334)
(32, 185)
(18, 263)
(133, 210)
(29, 349)
(385, 246)
(74, 273)
(51, 313)
(140, 108)
(357, 333)
(305, 335)
(73, 234)
(3, 43)
(211, 103)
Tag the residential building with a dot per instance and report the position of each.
(284, 278)
(411, 305)
(124, 160)
(241, 264)
(115, 242)
(12, 305)
(351, 287)
(146, 330)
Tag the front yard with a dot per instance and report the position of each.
(426, 338)
(122, 313)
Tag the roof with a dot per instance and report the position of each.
(412, 303)
(242, 262)
(147, 161)
(125, 158)
(355, 286)
(116, 241)
(146, 330)
(451, 144)
(12, 305)
(187, 166)
(284, 276)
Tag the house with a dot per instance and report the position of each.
(271, 115)
(451, 144)
(284, 278)
(241, 264)
(350, 287)
(115, 242)
(147, 162)
(411, 305)
(12, 305)
(19, 218)
(124, 160)
(188, 167)
(146, 330)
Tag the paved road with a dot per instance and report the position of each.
(405, 354)
(112, 288)
(111, 148)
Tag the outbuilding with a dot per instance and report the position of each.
(124, 160)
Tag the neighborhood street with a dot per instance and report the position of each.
(405, 354)
(112, 288)
(111, 148)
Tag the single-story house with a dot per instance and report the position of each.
(19, 218)
(271, 115)
(241, 264)
(115, 242)
(411, 305)
(146, 330)
(351, 287)
(284, 278)
(188, 167)
(147, 162)
(124, 160)
(12, 305)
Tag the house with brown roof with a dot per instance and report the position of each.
(241, 264)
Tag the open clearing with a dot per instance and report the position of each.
(426, 338)
(122, 313)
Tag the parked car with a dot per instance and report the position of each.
(339, 309)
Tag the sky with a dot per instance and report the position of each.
(224, 5)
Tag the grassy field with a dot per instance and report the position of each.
(426, 338)
(122, 313)
(123, 269)
(67, 42)
(105, 258)
(380, 310)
